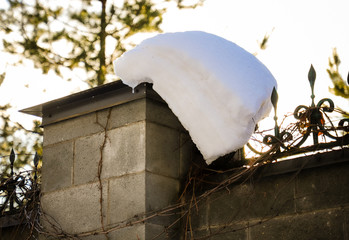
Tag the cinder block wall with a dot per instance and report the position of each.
(143, 152)
(305, 198)
(107, 166)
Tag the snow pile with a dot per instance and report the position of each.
(217, 90)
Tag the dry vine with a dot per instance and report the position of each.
(100, 167)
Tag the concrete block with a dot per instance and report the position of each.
(346, 223)
(196, 234)
(161, 114)
(269, 197)
(321, 188)
(272, 196)
(161, 192)
(101, 117)
(86, 158)
(141, 232)
(153, 231)
(136, 232)
(236, 231)
(136, 194)
(126, 197)
(225, 206)
(124, 152)
(76, 209)
(187, 148)
(198, 216)
(42, 237)
(95, 237)
(163, 148)
(127, 113)
(72, 128)
(57, 167)
(315, 225)
(89, 237)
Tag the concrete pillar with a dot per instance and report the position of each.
(104, 166)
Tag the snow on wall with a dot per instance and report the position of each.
(217, 90)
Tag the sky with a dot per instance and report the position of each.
(301, 33)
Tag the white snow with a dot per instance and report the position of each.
(217, 90)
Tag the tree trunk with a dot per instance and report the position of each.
(102, 36)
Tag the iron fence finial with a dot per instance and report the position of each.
(311, 78)
(12, 160)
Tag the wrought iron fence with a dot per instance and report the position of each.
(313, 120)
(18, 189)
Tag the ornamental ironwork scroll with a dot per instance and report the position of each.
(17, 189)
(312, 121)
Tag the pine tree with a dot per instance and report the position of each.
(75, 34)
(12, 137)
(340, 88)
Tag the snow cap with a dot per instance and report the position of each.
(217, 90)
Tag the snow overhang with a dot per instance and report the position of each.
(218, 90)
